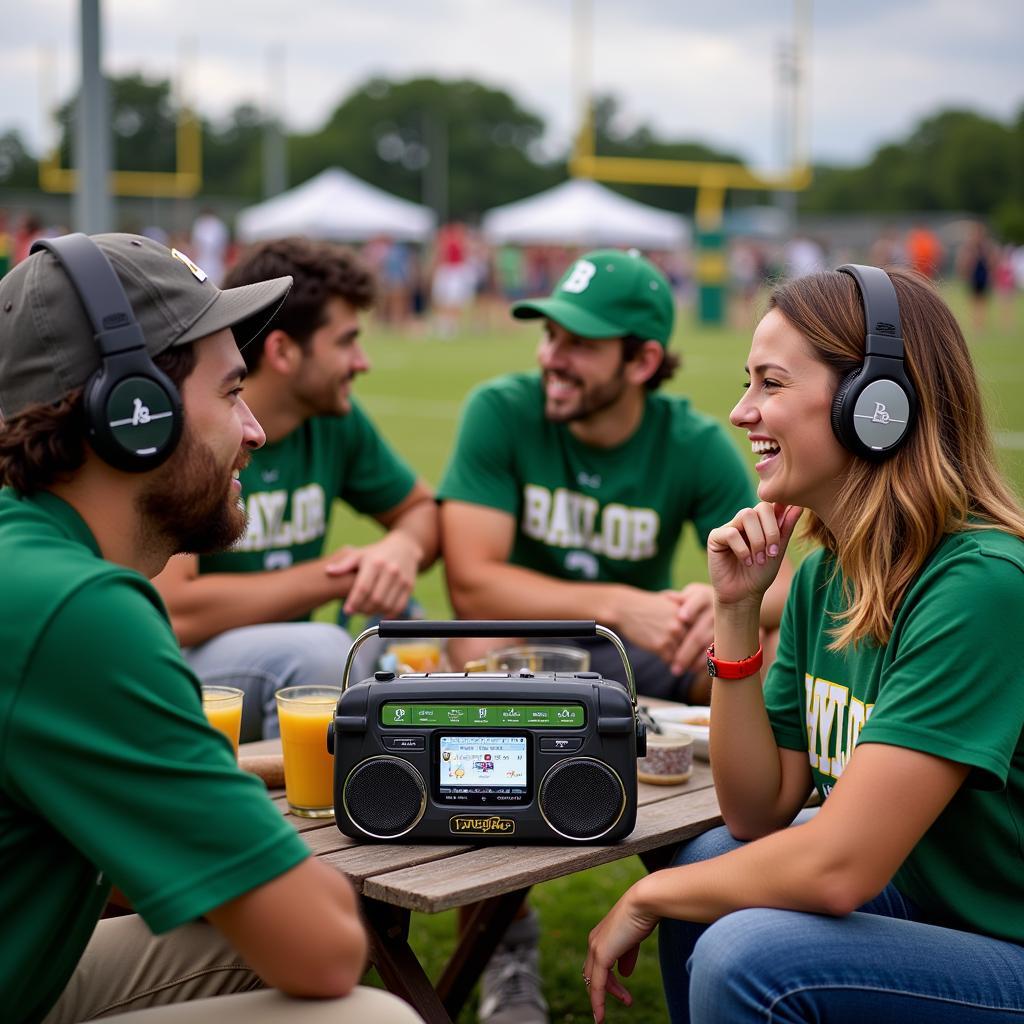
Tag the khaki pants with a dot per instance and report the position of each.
(128, 974)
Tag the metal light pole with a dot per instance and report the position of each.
(93, 209)
(275, 157)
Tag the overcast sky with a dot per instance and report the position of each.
(705, 69)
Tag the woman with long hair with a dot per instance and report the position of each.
(896, 695)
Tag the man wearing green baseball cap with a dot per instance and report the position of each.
(567, 492)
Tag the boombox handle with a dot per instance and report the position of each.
(394, 629)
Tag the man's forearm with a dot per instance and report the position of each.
(420, 524)
(211, 604)
(502, 591)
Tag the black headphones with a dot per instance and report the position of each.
(875, 406)
(133, 411)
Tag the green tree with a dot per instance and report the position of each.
(233, 154)
(143, 123)
(405, 135)
(953, 160)
(17, 165)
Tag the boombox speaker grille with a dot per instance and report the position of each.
(384, 797)
(581, 798)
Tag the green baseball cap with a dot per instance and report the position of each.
(608, 293)
(47, 348)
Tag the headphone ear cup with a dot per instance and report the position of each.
(842, 410)
(134, 418)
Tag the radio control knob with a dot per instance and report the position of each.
(383, 677)
(525, 673)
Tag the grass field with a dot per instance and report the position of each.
(414, 393)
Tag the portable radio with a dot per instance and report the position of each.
(489, 756)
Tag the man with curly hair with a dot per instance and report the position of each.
(242, 615)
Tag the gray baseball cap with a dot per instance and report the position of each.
(47, 345)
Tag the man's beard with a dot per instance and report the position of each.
(321, 396)
(190, 504)
(590, 401)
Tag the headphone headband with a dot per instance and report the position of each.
(875, 405)
(99, 289)
(883, 334)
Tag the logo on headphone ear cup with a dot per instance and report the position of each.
(871, 417)
(134, 418)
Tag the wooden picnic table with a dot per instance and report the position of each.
(394, 879)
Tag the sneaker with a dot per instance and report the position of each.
(510, 985)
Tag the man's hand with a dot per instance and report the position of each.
(697, 614)
(650, 619)
(385, 573)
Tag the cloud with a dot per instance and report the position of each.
(704, 71)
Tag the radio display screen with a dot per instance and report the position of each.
(491, 769)
(483, 716)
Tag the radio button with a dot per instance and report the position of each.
(404, 743)
(560, 744)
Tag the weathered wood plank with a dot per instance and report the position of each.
(482, 873)
(360, 861)
(646, 793)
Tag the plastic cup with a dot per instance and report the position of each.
(222, 706)
(417, 656)
(537, 658)
(304, 713)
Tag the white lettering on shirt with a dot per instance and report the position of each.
(568, 519)
(267, 527)
(830, 738)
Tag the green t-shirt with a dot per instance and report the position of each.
(585, 513)
(289, 486)
(947, 684)
(109, 773)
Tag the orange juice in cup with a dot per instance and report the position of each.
(417, 655)
(304, 713)
(222, 706)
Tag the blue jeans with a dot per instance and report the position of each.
(882, 965)
(260, 660)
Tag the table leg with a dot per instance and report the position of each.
(396, 963)
(482, 934)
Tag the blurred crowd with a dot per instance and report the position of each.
(460, 282)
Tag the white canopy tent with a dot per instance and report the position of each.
(338, 206)
(583, 213)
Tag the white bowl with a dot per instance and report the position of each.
(679, 719)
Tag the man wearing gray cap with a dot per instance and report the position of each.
(122, 431)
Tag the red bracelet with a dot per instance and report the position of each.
(734, 669)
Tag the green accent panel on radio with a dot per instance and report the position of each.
(491, 716)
